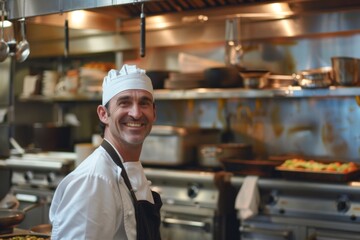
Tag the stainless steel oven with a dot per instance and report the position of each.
(295, 210)
(188, 223)
(330, 234)
(259, 230)
(193, 205)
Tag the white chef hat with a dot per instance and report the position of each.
(128, 77)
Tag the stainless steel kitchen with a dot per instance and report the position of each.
(257, 109)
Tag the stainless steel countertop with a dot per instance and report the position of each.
(269, 183)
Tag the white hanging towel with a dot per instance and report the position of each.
(248, 199)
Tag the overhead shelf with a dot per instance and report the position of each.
(212, 93)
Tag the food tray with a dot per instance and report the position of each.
(323, 176)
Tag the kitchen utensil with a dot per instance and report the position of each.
(315, 78)
(142, 32)
(346, 70)
(4, 47)
(23, 48)
(254, 78)
(233, 48)
(9, 218)
(222, 77)
(66, 34)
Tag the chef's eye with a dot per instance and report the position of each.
(123, 103)
(145, 102)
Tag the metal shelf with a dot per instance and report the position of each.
(224, 93)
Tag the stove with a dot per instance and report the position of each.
(34, 180)
(304, 210)
(193, 204)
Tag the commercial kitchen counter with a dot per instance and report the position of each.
(283, 184)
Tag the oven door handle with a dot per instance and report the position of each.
(282, 233)
(188, 223)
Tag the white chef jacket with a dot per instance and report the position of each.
(93, 202)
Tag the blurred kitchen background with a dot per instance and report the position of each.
(282, 38)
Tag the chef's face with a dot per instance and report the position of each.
(129, 116)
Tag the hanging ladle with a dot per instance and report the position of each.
(4, 47)
(22, 49)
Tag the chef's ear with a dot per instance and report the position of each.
(102, 113)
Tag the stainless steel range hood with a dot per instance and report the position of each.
(125, 9)
(113, 25)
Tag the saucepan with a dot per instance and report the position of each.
(346, 70)
(9, 218)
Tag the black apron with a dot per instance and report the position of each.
(147, 214)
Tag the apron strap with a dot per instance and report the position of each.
(115, 157)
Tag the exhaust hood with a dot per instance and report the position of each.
(123, 15)
(127, 9)
(113, 25)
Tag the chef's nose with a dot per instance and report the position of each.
(135, 111)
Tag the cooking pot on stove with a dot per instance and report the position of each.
(209, 155)
(9, 218)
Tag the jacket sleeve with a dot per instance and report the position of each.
(87, 210)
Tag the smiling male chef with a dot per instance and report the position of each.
(108, 196)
